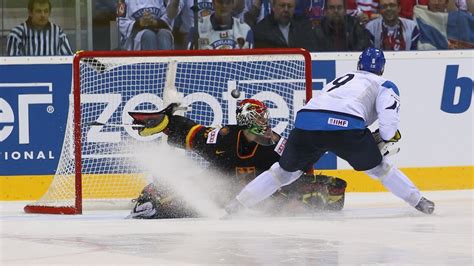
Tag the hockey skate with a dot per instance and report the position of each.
(155, 122)
(425, 206)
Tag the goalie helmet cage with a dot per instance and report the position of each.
(95, 163)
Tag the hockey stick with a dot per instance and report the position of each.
(95, 64)
(95, 123)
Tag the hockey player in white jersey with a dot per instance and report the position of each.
(147, 24)
(337, 121)
(220, 30)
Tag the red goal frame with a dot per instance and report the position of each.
(78, 205)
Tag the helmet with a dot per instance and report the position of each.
(253, 115)
(372, 60)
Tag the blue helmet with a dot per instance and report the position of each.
(372, 60)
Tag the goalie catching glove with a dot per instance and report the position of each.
(154, 123)
(387, 147)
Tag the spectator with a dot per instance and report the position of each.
(185, 19)
(256, 10)
(220, 30)
(438, 5)
(102, 14)
(282, 28)
(440, 29)
(146, 25)
(462, 5)
(406, 8)
(312, 9)
(364, 10)
(339, 31)
(390, 32)
(37, 36)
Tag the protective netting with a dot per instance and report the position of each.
(110, 87)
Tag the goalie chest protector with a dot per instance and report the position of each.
(234, 155)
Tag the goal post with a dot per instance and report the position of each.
(95, 166)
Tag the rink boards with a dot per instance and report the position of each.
(436, 119)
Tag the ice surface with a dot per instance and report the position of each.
(373, 229)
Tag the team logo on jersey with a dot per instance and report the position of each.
(223, 44)
(121, 8)
(205, 13)
(338, 122)
(153, 12)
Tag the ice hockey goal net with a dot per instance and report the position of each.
(94, 166)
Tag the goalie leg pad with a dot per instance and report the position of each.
(336, 193)
(320, 192)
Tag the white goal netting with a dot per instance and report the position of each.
(111, 85)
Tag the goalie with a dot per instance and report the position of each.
(241, 152)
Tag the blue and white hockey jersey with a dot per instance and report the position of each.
(129, 11)
(211, 36)
(205, 8)
(353, 101)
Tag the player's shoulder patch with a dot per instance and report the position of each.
(280, 147)
(121, 9)
(390, 85)
(212, 136)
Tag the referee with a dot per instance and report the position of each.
(37, 36)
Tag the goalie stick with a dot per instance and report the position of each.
(152, 119)
(96, 123)
(95, 64)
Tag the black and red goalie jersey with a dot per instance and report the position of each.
(227, 149)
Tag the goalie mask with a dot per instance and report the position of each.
(254, 117)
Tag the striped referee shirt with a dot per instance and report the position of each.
(24, 40)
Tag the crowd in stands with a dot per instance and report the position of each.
(316, 25)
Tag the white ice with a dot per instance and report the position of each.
(373, 229)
